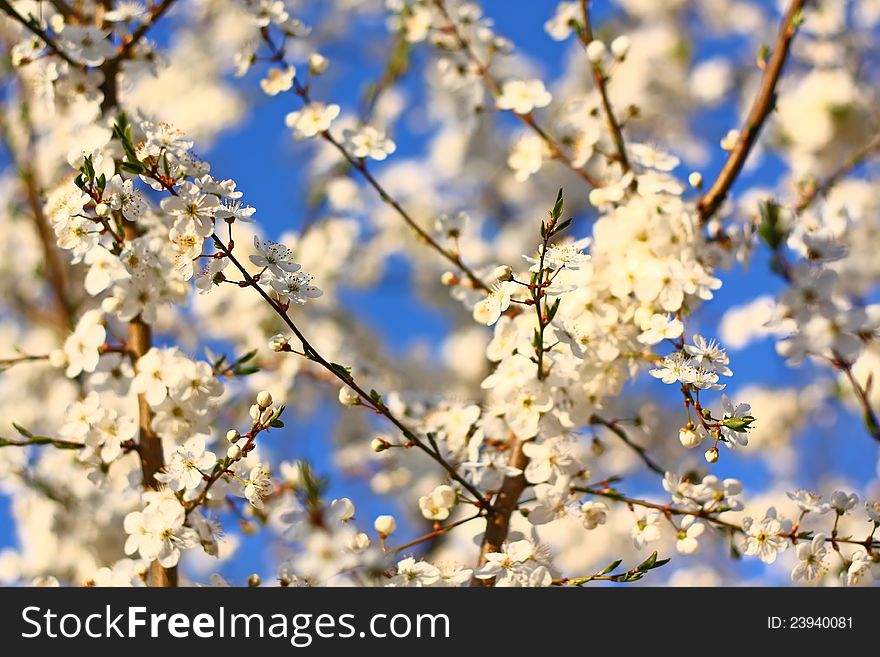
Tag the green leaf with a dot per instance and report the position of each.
(648, 563)
(562, 226)
(739, 424)
(610, 567)
(24, 432)
(341, 370)
(133, 167)
(769, 229)
(556, 212)
(248, 356)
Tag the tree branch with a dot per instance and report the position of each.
(599, 79)
(764, 103)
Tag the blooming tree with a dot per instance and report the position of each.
(574, 425)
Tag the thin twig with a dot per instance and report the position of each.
(712, 517)
(615, 428)
(599, 79)
(40, 32)
(528, 120)
(367, 399)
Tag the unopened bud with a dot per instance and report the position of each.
(620, 46)
(730, 140)
(449, 279)
(696, 180)
(102, 209)
(58, 358)
(234, 452)
(232, 436)
(264, 399)
(689, 438)
(348, 397)
(385, 525)
(711, 455)
(318, 63)
(596, 51)
(502, 273)
(379, 445)
(279, 342)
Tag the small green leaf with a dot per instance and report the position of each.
(133, 167)
(556, 212)
(610, 567)
(769, 229)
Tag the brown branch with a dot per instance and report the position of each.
(69, 13)
(599, 79)
(140, 341)
(505, 503)
(439, 531)
(55, 267)
(507, 500)
(149, 444)
(56, 271)
(764, 103)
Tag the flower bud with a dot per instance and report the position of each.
(696, 180)
(348, 397)
(711, 455)
(102, 209)
(343, 509)
(596, 51)
(279, 343)
(385, 525)
(234, 452)
(232, 436)
(620, 46)
(318, 63)
(689, 438)
(379, 445)
(448, 279)
(730, 140)
(57, 358)
(264, 399)
(502, 273)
